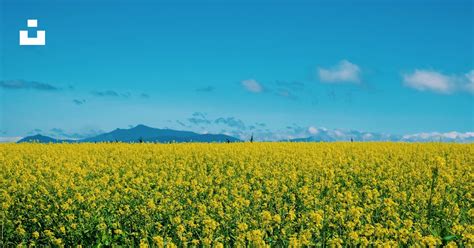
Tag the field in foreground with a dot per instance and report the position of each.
(242, 194)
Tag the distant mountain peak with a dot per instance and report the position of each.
(41, 139)
(141, 126)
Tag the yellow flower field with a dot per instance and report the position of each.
(238, 194)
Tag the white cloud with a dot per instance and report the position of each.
(252, 85)
(424, 80)
(367, 136)
(312, 130)
(345, 72)
(338, 133)
(428, 80)
(9, 139)
(470, 81)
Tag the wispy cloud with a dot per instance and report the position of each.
(252, 85)
(344, 72)
(23, 84)
(294, 130)
(79, 101)
(35, 131)
(199, 118)
(288, 89)
(286, 93)
(293, 85)
(231, 122)
(56, 130)
(430, 80)
(181, 123)
(206, 89)
(75, 135)
(111, 93)
(234, 126)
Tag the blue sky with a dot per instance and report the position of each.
(239, 67)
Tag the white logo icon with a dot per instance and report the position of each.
(39, 40)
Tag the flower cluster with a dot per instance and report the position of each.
(238, 194)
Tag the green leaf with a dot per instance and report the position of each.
(450, 237)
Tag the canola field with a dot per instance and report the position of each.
(237, 195)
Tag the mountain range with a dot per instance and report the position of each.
(140, 133)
